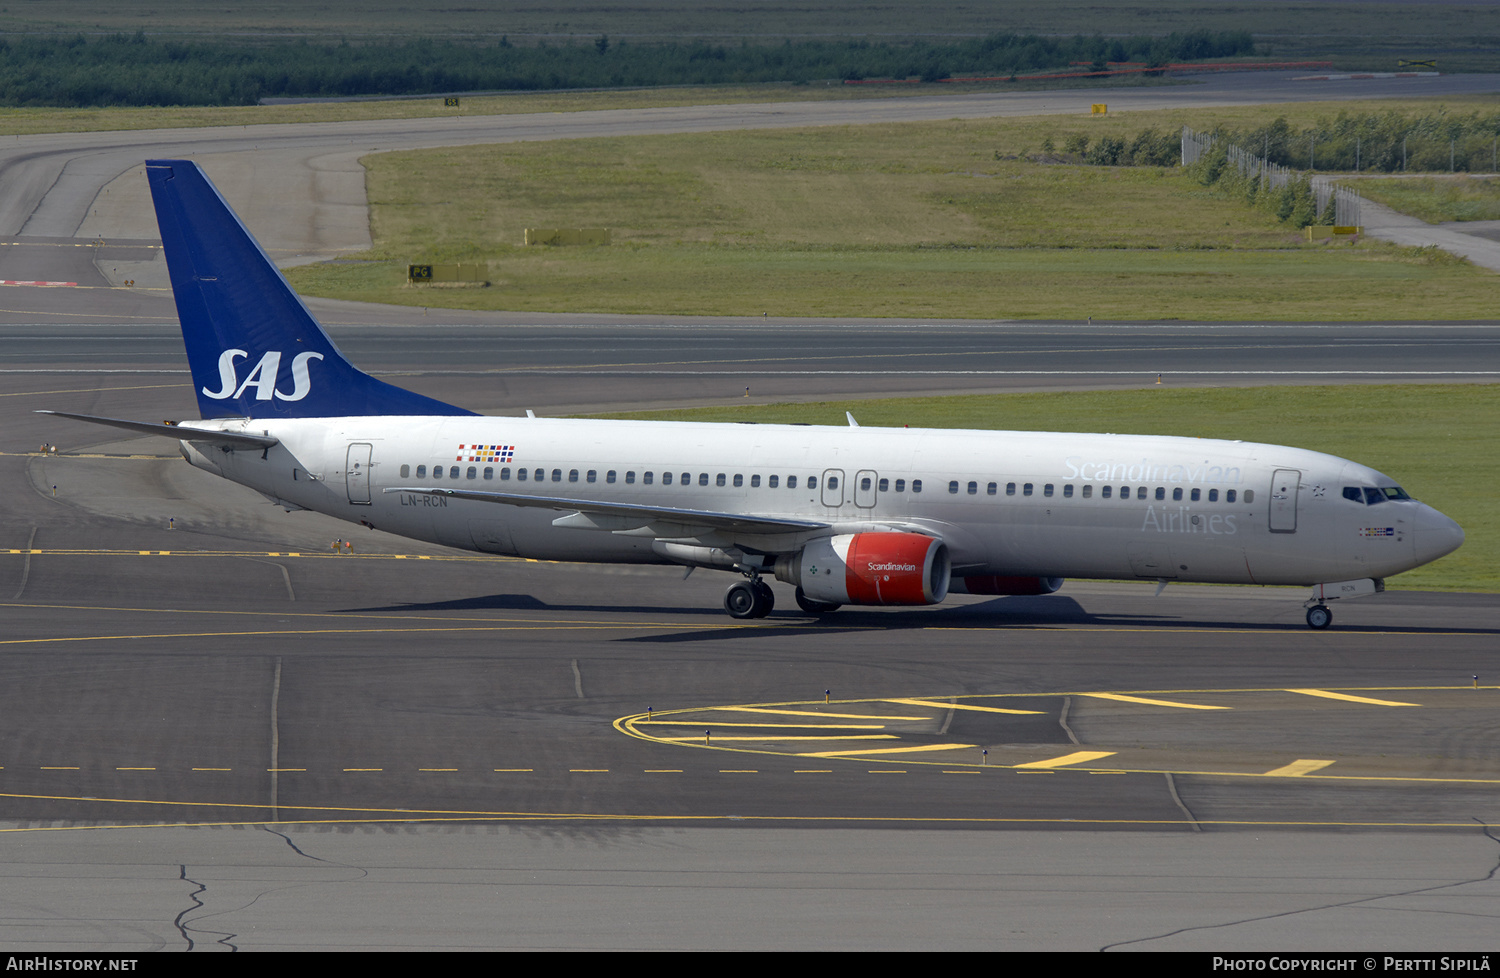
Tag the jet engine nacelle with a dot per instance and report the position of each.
(870, 568)
(996, 584)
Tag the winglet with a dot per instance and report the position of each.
(254, 349)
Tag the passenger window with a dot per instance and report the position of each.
(755, 482)
(990, 489)
(1068, 491)
(1177, 495)
(437, 471)
(1161, 493)
(916, 485)
(473, 472)
(719, 480)
(520, 475)
(687, 478)
(1104, 492)
(505, 474)
(646, 478)
(1124, 492)
(593, 475)
(791, 482)
(1010, 488)
(572, 475)
(1047, 489)
(864, 484)
(812, 482)
(557, 475)
(1088, 492)
(421, 472)
(1196, 493)
(772, 481)
(1213, 495)
(630, 478)
(973, 488)
(702, 478)
(1229, 495)
(1249, 495)
(453, 472)
(739, 480)
(833, 482)
(900, 485)
(489, 472)
(953, 487)
(1140, 493)
(538, 474)
(405, 471)
(666, 478)
(1026, 489)
(609, 477)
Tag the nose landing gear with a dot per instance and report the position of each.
(1318, 616)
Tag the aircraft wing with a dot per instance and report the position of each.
(206, 435)
(666, 520)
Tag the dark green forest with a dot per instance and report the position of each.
(121, 70)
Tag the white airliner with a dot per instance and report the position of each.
(846, 515)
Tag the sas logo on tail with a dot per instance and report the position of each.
(262, 377)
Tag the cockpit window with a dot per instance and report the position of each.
(1370, 496)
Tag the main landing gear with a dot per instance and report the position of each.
(752, 598)
(1318, 616)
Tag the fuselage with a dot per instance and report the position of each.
(1004, 502)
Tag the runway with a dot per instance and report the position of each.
(219, 734)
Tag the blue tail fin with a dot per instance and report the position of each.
(254, 349)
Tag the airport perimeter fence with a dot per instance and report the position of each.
(1274, 176)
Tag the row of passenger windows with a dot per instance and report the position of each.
(1108, 492)
(774, 482)
(647, 478)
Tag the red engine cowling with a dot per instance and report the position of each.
(995, 584)
(870, 568)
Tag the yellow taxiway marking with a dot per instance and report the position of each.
(890, 750)
(354, 770)
(512, 770)
(213, 769)
(1297, 769)
(807, 713)
(46, 768)
(438, 769)
(1077, 757)
(779, 738)
(1122, 698)
(738, 770)
(767, 726)
(958, 706)
(135, 769)
(662, 770)
(588, 770)
(824, 770)
(1350, 699)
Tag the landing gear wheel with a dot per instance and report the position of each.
(741, 601)
(1319, 617)
(765, 599)
(814, 607)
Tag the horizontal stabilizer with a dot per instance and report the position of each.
(207, 436)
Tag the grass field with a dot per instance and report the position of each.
(1438, 199)
(1432, 439)
(948, 219)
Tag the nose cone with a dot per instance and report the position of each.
(1436, 536)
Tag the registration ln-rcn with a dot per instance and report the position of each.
(844, 515)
